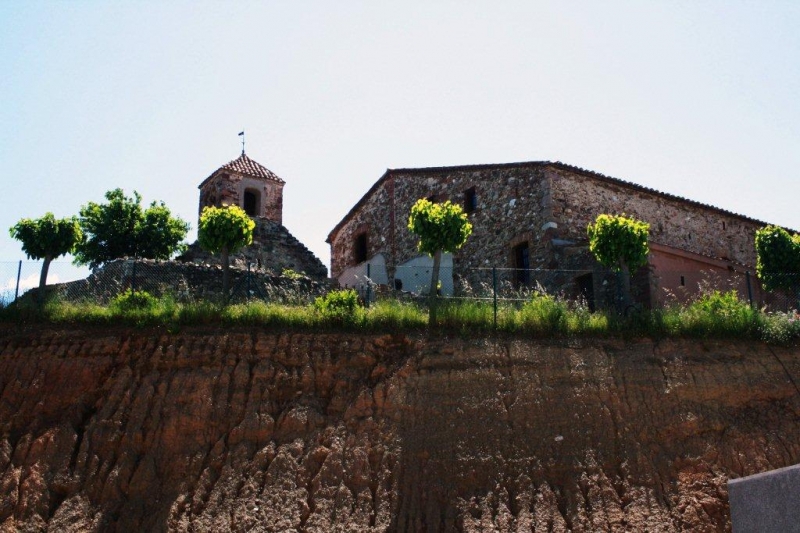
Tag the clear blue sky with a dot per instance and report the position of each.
(698, 99)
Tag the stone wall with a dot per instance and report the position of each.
(186, 282)
(547, 205)
(273, 250)
(577, 200)
(511, 207)
(228, 189)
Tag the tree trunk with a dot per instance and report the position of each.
(433, 294)
(43, 278)
(625, 282)
(226, 274)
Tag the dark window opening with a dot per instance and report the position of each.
(522, 264)
(470, 200)
(586, 288)
(683, 281)
(251, 203)
(723, 224)
(360, 248)
(398, 284)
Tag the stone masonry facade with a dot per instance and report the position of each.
(245, 183)
(259, 191)
(274, 250)
(544, 207)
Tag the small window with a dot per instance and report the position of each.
(683, 281)
(360, 248)
(470, 200)
(250, 203)
(723, 225)
(522, 264)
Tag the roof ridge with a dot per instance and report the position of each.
(247, 166)
(553, 164)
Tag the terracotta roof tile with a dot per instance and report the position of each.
(248, 167)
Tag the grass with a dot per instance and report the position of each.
(713, 315)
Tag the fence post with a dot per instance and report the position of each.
(369, 286)
(749, 288)
(19, 273)
(133, 277)
(494, 294)
(247, 295)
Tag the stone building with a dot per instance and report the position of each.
(529, 225)
(259, 191)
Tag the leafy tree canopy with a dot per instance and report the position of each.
(224, 229)
(439, 226)
(47, 237)
(618, 241)
(121, 228)
(777, 258)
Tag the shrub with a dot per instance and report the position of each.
(545, 314)
(129, 300)
(718, 312)
(340, 306)
(780, 328)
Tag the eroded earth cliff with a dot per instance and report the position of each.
(134, 430)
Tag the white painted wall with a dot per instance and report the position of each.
(416, 274)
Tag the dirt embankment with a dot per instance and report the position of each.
(251, 431)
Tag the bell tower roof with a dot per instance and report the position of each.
(247, 167)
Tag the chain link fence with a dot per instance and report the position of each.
(185, 282)
(594, 289)
(19, 277)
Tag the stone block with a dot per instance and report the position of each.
(769, 501)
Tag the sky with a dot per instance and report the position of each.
(698, 99)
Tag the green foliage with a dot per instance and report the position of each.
(225, 228)
(340, 306)
(129, 300)
(780, 328)
(121, 228)
(47, 237)
(543, 313)
(617, 240)
(439, 226)
(291, 274)
(718, 313)
(778, 258)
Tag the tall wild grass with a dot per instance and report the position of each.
(714, 314)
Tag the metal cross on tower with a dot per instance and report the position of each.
(241, 134)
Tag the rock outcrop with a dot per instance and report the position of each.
(245, 430)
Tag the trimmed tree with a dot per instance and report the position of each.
(122, 228)
(46, 238)
(620, 243)
(225, 230)
(441, 227)
(778, 259)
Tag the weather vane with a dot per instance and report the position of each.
(241, 134)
